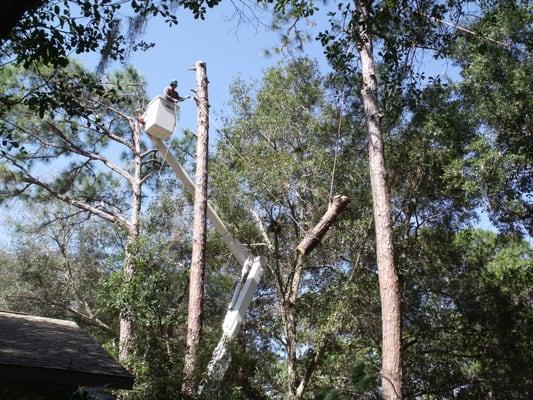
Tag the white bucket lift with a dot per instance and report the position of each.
(160, 118)
(159, 122)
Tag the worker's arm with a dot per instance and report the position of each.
(182, 98)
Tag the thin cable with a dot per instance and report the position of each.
(341, 106)
(473, 33)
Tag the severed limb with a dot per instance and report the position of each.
(242, 297)
(315, 235)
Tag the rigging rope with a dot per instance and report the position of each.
(333, 170)
(473, 33)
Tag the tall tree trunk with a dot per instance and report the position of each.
(290, 322)
(297, 386)
(389, 285)
(126, 321)
(196, 281)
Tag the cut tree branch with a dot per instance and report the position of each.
(313, 237)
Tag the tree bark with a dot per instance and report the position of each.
(389, 285)
(126, 319)
(291, 332)
(196, 280)
(297, 386)
(313, 237)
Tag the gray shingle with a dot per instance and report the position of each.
(54, 344)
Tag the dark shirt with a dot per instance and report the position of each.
(172, 95)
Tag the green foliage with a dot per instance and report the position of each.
(88, 123)
(57, 265)
(276, 160)
(497, 88)
(330, 394)
(49, 33)
(451, 149)
(462, 319)
(52, 31)
(154, 300)
(426, 156)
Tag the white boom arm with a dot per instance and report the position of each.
(242, 296)
(236, 247)
(252, 267)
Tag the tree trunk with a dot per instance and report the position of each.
(196, 281)
(389, 286)
(297, 386)
(126, 321)
(291, 333)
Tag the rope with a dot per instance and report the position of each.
(473, 33)
(333, 170)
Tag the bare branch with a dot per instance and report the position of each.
(262, 229)
(107, 132)
(93, 156)
(144, 178)
(85, 318)
(110, 216)
(148, 152)
(311, 366)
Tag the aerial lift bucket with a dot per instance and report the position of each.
(160, 118)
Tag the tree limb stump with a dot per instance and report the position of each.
(313, 237)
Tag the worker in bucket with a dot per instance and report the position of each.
(171, 94)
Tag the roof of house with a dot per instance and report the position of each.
(38, 349)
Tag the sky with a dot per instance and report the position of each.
(231, 47)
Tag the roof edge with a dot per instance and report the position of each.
(18, 374)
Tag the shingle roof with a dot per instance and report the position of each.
(56, 349)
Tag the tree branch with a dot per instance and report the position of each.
(262, 229)
(313, 237)
(93, 156)
(104, 214)
(148, 152)
(311, 367)
(85, 318)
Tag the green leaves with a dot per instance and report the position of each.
(463, 317)
(496, 87)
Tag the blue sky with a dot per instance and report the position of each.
(232, 48)
(229, 48)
